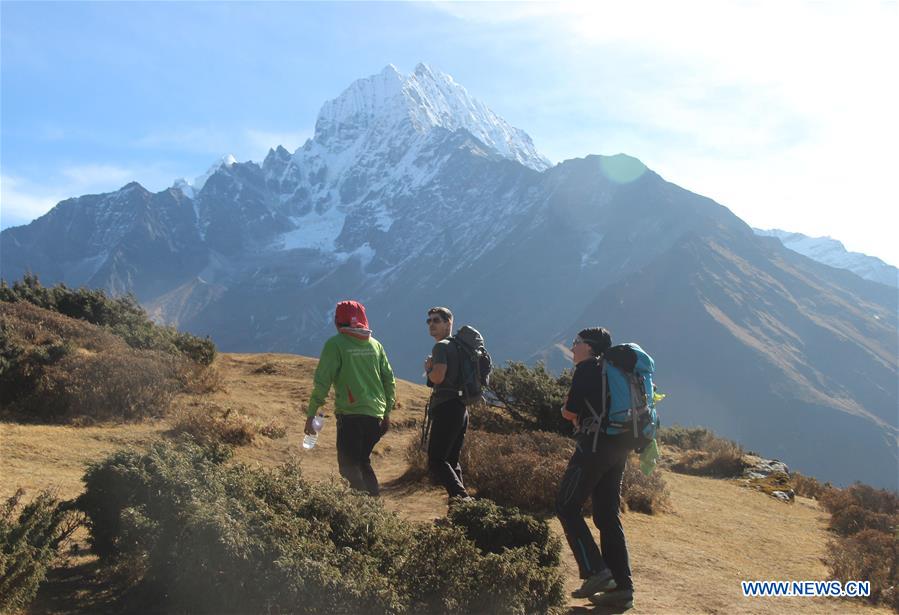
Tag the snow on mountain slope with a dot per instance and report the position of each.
(424, 100)
(832, 252)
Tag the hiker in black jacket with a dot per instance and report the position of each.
(447, 411)
(594, 472)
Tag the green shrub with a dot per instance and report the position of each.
(494, 529)
(531, 395)
(123, 316)
(212, 537)
(123, 386)
(30, 539)
(55, 368)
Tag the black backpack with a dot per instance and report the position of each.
(474, 364)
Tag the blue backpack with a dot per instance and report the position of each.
(628, 409)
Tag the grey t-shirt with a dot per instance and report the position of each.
(445, 352)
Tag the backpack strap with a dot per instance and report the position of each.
(596, 425)
(456, 345)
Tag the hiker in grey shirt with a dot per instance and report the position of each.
(449, 416)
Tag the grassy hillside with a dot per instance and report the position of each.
(690, 559)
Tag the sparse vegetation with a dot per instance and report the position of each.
(268, 368)
(30, 539)
(80, 356)
(211, 424)
(208, 423)
(122, 316)
(808, 486)
(861, 507)
(869, 555)
(53, 368)
(274, 430)
(208, 536)
(703, 453)
(524, 470)
(866, 521)
(642, 493)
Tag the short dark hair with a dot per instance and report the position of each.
(597, 338)
(443, 312)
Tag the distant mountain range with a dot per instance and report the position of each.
(831, 252)
(412, 194)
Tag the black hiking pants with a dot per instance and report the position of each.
(598, 476)
(449, 421)
(356, 437)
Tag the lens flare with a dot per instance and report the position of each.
(621, 169)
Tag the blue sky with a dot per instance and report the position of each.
(782, 111)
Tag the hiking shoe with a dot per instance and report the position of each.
(599, 582)
(620, 598)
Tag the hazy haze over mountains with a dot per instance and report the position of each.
(412, 193)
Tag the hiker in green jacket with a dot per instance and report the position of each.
(356, 364)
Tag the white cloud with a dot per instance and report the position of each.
(24, 199)
(21, 202)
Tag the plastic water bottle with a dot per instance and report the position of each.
(317, 423)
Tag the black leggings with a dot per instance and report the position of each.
(357, 435)
(597, 476)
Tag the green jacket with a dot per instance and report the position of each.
(362, 378)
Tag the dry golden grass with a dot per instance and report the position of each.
(689, 560)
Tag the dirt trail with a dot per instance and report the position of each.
(689, 560)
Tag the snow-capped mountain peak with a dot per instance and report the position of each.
(832, 252)
(426, 99)
(191, 188)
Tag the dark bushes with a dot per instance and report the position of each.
(124, 386)
(531, 395)
(226, 538)
(868, 555)
(521, 470)
(122, 316)
(861, 507)
(642, 493)
(54, 368)
(687, 438)
(524, 470)
(808, 486)
(30, 537)
(702, 452)
(866, 521)
(494, 529)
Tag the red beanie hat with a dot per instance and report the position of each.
(350, 314)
